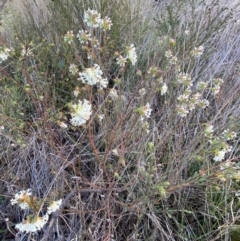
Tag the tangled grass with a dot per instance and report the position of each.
(158, 156)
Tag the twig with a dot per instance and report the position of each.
(55, 215)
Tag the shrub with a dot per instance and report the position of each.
(130, 118)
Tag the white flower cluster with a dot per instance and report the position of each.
(68, 38)
(168, 54)
(153, 71)
(33, 223)
(55, 205)
(228, 170)
(184, 79)
(229, 135)
(188, 101)
(208, 131)
(201, 86)
(84, 37)
(197, 51)
(113, 94)
(121, 61)
(131, 54)
(147, 110)
(23, 199)
(219, 146)
(172, 59)
(220, 154)
(164, 89)
(93, 76)
(93, 19)
(216, 85)
(26, 50)
(73, 69)
(144, 111)
(81, 112)
(142, 92)
(182, 110)
(4, 54)
(106, 23)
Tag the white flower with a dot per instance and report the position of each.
(197, 51)
(121, 60)
(237, 194)
(26, 227)
(168, 54)
(106, 23)
(142, 92)
(216, 85)
(115, 152)
(219, 155)
(215, 89)
(62, 125)
(131, 54)
(203, 103)
(173, 60)
(81, 112)
(183, 98)
(145, 111)
(95, 42)
(153, 71)
(54, 206)
(93, 76)
(113, 94)
(73, 69)
(83, 36)
(102, 83)
(68, 38)
(33, 225)
(164, 89)
(92, 18)
(182, 110)
(172, 41)
(100, 117)
(26, 50)
(226, 165)
(202, 85)
(185, 79)
(76, 91)
(208, 131)
(4, 54)
(191, 105)
(228, 148)
(218, 81)
(229, 135)
(22, 199)
(196, 97)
